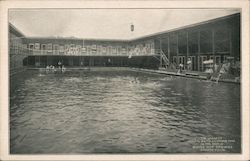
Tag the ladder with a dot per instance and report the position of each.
(163, 59)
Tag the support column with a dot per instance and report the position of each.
(160, 53)
(160, 44)
(89, 61)
(27, 61)
(177, 49)
(39, 60)
(199, 49)
(230, 44)
(213, 48)
(168, 50)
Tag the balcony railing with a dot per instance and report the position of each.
(26, 51)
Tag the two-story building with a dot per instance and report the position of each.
(217, 39)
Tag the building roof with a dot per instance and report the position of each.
(14, 29)
(80, 39)
(188, 26)
(17, 32)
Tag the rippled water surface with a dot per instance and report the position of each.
(119, 112)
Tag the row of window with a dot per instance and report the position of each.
(71, 49)
(16, 47)
(77, 49)
(205, 39)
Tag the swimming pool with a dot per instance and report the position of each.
(117, 111)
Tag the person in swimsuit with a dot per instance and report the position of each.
(59, 64)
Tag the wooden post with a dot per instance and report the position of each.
(213, 48)
(79, 60)
(199, 49)
(230, 43)
(39, 60)
(160, 44)
(177, 49)
(168, 50)
(27, 61)
(160, 53)
(127, 49)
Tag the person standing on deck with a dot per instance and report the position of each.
(180, 68)
(237, 66)
(189, 64)
(59, 64)
(224, 69)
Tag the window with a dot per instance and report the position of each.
(222, 40)
(206, 41)
(104, 49)
(84, 50)
(89, 49)
(193, 43)
(124, 50)
(164, 45)
(67, 49)
(99, 49)
(173, 44)
(31, 46)
(43, 47)
(182, 43)
(37, 46)
(93, 48)
(119, 50)
(114, 50)
(61, 48)
(152, 45)
(109, 49)
(78, 49)
(49, 47)
(56, 49)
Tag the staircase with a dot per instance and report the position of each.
(163, 59)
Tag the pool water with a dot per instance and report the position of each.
(120, 112)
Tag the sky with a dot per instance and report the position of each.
(107, 23)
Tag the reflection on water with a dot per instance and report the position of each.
(119, 112)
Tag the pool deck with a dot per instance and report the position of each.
(17, 70)
(186, 74)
